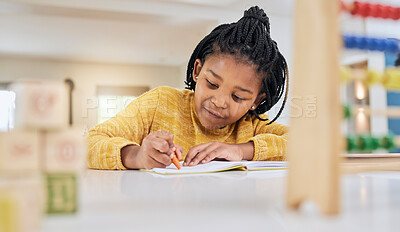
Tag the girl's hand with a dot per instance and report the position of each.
(206, 152)
(155, 151)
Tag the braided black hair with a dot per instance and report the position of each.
(249, 41)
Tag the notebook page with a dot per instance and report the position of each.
(213, 166)
(264, 165)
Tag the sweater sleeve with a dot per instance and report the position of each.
(128, 127)
(270, 141)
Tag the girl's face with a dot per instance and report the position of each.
(225, 90)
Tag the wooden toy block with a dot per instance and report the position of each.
(41, 104)
(32, 191)
(21, 203)
(9, 215)
(61, 193)
(19, 151)
(65, 151)
(315, 142)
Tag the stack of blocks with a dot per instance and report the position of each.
(40, 159)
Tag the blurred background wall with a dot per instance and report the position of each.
(117, 43)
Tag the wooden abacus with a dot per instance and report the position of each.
(316, 144)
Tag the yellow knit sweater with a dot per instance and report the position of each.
(173, 110)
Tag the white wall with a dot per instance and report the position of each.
(86, 77)
(282, 33)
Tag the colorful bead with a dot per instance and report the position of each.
(368, 143)
(391, 78)
(347, 112)
(365, 9)
(371, 44)
(345, 74)
(387, 142)
(373, 77)
(351, 143)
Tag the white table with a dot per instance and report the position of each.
(230, 201)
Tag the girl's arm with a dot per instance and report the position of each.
(270, 141)
(129, 127)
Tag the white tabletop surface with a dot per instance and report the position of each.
(230, 201)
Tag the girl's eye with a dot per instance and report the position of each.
(212, 84)
(238, 98)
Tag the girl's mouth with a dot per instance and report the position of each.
(213, 114)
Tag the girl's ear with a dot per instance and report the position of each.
(196, 69)
(258, 100)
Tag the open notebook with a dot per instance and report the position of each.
(220, 166)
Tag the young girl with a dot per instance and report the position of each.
(235, 74)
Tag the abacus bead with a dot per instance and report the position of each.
(348, 41)
(351, 143)
(386, 45)
(380, 45)
(372, 44)
(381, 11)
(366, 143)
(391, 79)
(392, 13)
(384, 12)
(345, 74)
(375, 143)
(364, 42)
(373, 77)
(397, 14)
(359, 142)
(360, 42)
(353, 41)
(366, 9)
(374, 11)
(356, 10)
(392, 45)
(347, 111)
(387, 142)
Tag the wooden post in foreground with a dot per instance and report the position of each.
(315, 140)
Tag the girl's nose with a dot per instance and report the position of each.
(219, 101)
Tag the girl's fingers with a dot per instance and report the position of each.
(155, 164)
(160, 145)
(210, 156)
(150, 163)
(193, 152)
(208, 153)
(161, 158)
(178, 151)
(166, 135)
(198, 158)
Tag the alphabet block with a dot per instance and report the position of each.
(19, 151)
(61, 193)
(41, 104)
(65, 151)
(21, 203)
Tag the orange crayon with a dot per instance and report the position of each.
(175, 161)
